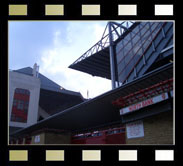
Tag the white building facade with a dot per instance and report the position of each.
(24, 92)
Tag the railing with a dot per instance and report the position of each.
(164, 86)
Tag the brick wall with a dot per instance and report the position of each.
(158, 129)
(52, 138)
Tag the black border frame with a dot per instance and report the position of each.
(72, 11)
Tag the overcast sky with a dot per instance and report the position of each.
(54, 45)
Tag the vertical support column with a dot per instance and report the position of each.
(112, 59)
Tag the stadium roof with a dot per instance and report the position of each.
(53, 97)
(96, 61)
(137, 46)
(99, 110)
(46, 83)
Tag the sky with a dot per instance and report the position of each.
(54, 45)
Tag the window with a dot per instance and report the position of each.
(14, 102)
(20, 105)
(96, 134)
(109, 132)
(26, 104)
(122, 130)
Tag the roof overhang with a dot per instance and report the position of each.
(97, 64)
(53, 101)
(99, 110)
(96, 61)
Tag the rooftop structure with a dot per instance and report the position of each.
(99, 111)
(53, 97)
(34, 97)
(127, 51)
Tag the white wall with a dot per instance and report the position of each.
(18, 80)
(43, 113)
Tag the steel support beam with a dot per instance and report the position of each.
(112, 58)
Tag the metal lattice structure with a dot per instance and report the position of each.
(118, 29)
(128, 50)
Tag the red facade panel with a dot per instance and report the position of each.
(20, 105)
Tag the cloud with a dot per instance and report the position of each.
(98, 31)
(67, 46)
